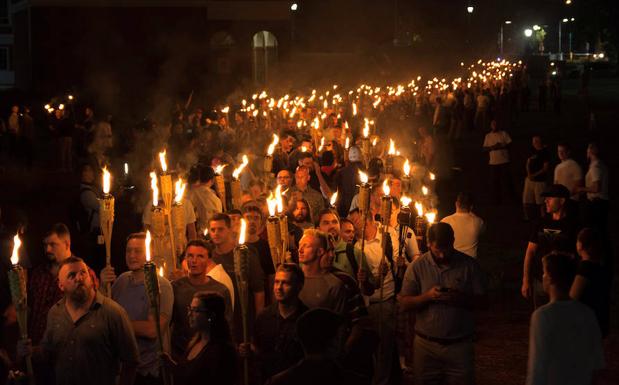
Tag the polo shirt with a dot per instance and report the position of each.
(440, 320)
(91, 349)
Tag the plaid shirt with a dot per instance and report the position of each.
(43, 293)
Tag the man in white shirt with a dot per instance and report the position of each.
(496, 143)
(596, 188)
(203, 197)
(467, 226)
(568, 172)
(565, 344)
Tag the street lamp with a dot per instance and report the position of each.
(528, 32)
(294, 6)
(507, 22)
(536, 27)
(470, 9)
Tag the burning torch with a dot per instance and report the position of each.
(365, 142)
(283, 224)
(151, 284)
(241, 270)
(274, 232)
(268, 159)
(158, 217)
(165, 181)
(220, 184)
(406, 178)
(106, 221)
(235, 183)
(19, 295)
(178, 213)
(390, 155)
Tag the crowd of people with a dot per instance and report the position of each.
(366, 289)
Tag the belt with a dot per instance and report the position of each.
(445, 341)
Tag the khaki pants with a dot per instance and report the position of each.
(437, 364)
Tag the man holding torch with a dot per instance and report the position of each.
(128, 290)
(89, 338)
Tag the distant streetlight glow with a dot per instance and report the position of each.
(508, 21)
(568, 2)
(294, 7)
(566, 20)
(536, 27)
(528, 32)
(470, 9)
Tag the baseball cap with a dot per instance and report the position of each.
(556, 191)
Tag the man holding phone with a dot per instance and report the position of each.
(443, 286)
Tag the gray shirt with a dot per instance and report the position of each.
(131, 295)
(90, 350)
(440, 320)
(326, 291)
(183, 294)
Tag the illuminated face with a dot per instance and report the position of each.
(309, 250)
(307, 162)
(284, 287)
(396, 188)
(254, 222)
(284, 178)
(553, 204)
(537, 143)
(135, 254)
(330, 224)
(197, 260)
(75, 282)
(235, 222)
(219, 232)
(287, 143)
(300, 212)
(347, 232)
(302, 177)
(56, 249)
(440, 253)
(563, 153)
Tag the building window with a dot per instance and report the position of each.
(264, 45)
(5, 56)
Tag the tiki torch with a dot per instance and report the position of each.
(406, 178)
(365, 190)
(241, 270)
(151, 284)
(106, 221)
(165, 181)
(390, 155)
(420, 227)
(220, 185)
(385, 218)
(333, 200)
(283, 223)
(178, 214)
(268, 159)
(365, 142)
(346, 147)
(274, 232)
(158, 217)
(19, 295)
(235, 184)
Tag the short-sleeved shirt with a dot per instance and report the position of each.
(90, 350)
(467, 228)
(183, 294)
(552, 235)
(569, 174)
(597, 173)
(500, 156)
(441, 320)
(565, 346)
(536, 164)
(255, 285)
(131, 295)
(326, 291)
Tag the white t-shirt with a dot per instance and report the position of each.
(597, 172)
(467, 228)
(219, 274)
(565, 345)
(568, 173)
(497, 156)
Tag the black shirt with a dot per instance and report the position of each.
(216, 364)
(276, 340)
(536, 163)
(596, 292)
(553, 235)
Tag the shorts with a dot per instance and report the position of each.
(532, 193)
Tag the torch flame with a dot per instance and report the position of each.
(272, 204)
(347, 144)
(432, 176)
(322, 144)
(386, 188)
(391, 147)
(126, 168)
(242, 231)
(363, 177)
(179, 189)
(219, 169)
(225, 110)
(419, 208)
(61, 106)
(405, 201)
(354, 109)
(431, 216)
(271, 148)
(278, 199)
(374, 141)
(16, 245)
(424, 190)
(333, 199)
(366, 128)
(237, 171)
(303, 149)
(164, 164)
(153, 185)
(407, 168)
(147, 244)
(106, 181)
(161, 271)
